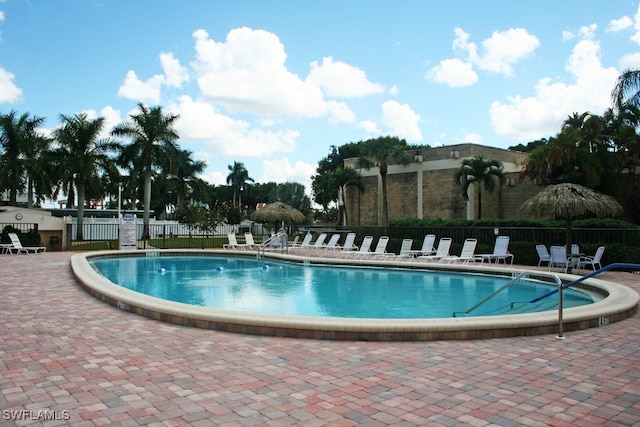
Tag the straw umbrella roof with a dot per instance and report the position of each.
(278, 212)
(568, 201)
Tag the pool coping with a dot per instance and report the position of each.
(620, 302)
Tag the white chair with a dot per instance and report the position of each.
(332, 244)
(559, 259)
(543, 255)
(500, 251)
(306, 242)
(349, 242)
(427, 246)
(16, 246)
(363, 251)
(249, 242)
(233, 242)
(466, 255)
(381, 248)
(405, 249)
(443, 250)
(593, 261)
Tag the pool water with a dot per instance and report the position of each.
(271, 287)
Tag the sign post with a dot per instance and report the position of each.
(127, 235)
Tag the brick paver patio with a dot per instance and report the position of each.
(67, 356)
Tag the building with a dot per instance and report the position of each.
(426, 187)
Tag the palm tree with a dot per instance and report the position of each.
(626, 90)
(238, 177)
(81, 150)
(482, 172)
(153, 139)
(344, 178)
(17, 136)
(381, 152)
(183, 170)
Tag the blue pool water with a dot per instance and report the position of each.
(259, 286)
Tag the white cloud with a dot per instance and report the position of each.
(474, 138)
(401, 120)
(144, 91)
(499, 54)
(619, 24)
(393, 90)
(9, 92)
(341, 80)
(247, 73)
(526, 119)
(228, 137)
(340, 112)
(630, 61)
(370, 127)
(175, 74)
(281, 170)
(111, 117)
(453, 72)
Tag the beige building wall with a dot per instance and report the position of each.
(426, 187)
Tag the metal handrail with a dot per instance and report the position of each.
(619, 265)
(271, 239)
(508, 284)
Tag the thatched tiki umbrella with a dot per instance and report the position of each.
(278, 212)
(569, 201)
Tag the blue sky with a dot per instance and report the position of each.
(274, 84)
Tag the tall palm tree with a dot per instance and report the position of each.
(18, 135)
(183, 171)
(344, 178)
(81, 150)
(237, 178)
(482, 172)
(154, 140)
(381, 152)
(626, 90)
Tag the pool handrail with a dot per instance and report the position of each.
(264, 245)
(617, 265)
(508, 284)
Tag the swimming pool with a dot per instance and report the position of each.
(617, 303)
(283, 288)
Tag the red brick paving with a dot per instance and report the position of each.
(65, 354)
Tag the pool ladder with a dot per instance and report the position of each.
(267, 243)
(614, 266)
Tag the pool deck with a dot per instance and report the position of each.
(67, 355)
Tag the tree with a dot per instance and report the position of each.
(18, 137)
(183, 172)
(627, 90)
(482, 172)
(343, 178)
(381, 152)
(238, 178)
(153, 140)
(84, 153)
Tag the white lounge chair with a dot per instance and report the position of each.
(593, 261)
(332, 244)
(305, 244)
(405, 250)
(381, 248)
(364, 249)
(559, 258)
(543, 255)
(466, 255)
(16, 246)
(427, 246)
(500, 251)
(443, 250)
(349, 242)
(249, 242)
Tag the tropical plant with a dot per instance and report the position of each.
(626, 90)
(237, 178)
(83, 153)
(153, 141)
(381, 152)
(19, 138)
(183, 171)
(482, 172)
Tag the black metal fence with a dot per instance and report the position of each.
(622, 245)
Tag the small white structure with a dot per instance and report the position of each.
(51, 229)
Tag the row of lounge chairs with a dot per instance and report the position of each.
(348, 249)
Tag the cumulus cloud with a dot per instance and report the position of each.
(499, 54)
(370, 127)
(111, 117)
(281, 170)
(9, 92)
(401, 120)
(228, 137)
(619, 24)
(341, 80)
(144, 91)
(175, 74)
(453, 72)
(247, 74)
(526, 119)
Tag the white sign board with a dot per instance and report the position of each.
(128, 241)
